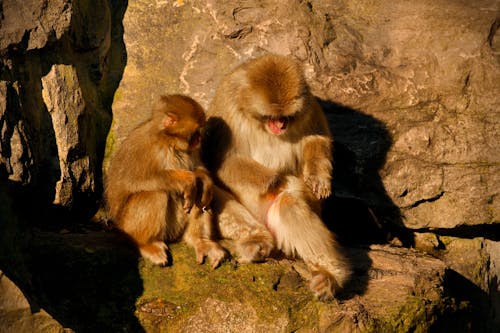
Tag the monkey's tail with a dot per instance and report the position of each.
(299, 231)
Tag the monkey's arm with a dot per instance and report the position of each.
(244, 175)
(205, 187)
(317, 167)
(170, 180)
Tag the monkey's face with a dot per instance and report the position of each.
(273, 92)
(182, 118)
(189, 128)
(277, 117)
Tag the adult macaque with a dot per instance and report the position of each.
(156, 187)
(267, 141)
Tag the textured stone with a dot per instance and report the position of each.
(15, 153)
(55, 101)
(432, 84)
(94, 281)
(16, 315)
(33, 22)
(63, 97)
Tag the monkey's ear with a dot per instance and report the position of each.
(170, 120)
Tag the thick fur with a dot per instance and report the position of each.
(268, 142)
(156, 177)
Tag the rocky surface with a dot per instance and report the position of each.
(59, 68)
(433, 85)
(16, 314)
(85, 278)
(411, 93)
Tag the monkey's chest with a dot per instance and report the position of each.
(281, 156)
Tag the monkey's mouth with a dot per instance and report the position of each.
(278, 125)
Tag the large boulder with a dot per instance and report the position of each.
(57, 78)
(426, 71)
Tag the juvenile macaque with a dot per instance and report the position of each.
(156, 188)
(267, 141)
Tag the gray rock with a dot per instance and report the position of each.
(433, 84)
(33, 23)
(16, 315)
(63, 98)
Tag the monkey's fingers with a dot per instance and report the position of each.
(216, 255)
(212, 250)
(320, 187)
(188, 205)
(323, 285)
(188, 202)
(200, 257)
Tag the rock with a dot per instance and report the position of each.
(493, 250)
(93, 280)
(57, 77)
(15, 153)
(63, 98)
(413, 107)
(432, 88)
(16, 315)
(33, 23)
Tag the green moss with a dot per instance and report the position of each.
(110, 146)
(186, 283)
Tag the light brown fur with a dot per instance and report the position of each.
(156, 187)
(268, 143)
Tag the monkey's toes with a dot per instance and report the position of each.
(213, 251)
(323, 285)
(216, 256)
(156, 252)
(255, 249)
(320, 187)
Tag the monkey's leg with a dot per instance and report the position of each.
(143, 218)
(300, 231)
(253, 240)
(199, 233)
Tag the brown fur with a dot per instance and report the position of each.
(268, 143)
(156, 188)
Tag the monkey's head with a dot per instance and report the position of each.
(275, 92)
(181, 117)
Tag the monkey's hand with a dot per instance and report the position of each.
(205, 188)
(321, 187)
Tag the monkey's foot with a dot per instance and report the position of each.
(156, 252)
(323, 285)
(210, 249)
(255, 248)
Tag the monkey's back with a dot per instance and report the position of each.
(137, 160)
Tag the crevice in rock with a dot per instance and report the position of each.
(493, 29)
(276, 283)
(488, 231)
(426, 200)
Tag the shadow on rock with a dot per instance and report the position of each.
(360, 212)
(88, 282)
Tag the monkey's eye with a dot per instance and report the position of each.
(195, 138)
